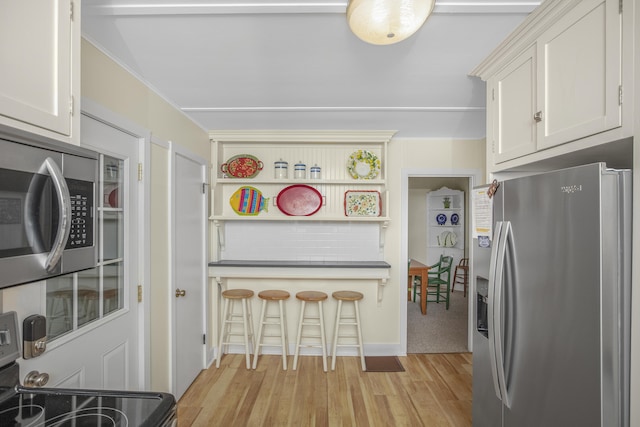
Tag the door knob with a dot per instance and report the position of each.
(180, 293)
(36, 379)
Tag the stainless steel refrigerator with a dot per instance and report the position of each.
(552, 313)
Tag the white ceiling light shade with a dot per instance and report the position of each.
(387, 21)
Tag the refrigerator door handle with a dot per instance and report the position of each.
(491, 304)
(502, 263)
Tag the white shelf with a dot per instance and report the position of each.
(435, 206)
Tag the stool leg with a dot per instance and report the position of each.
(283, 335)
(323, 338)
(245, 324)
(222, 331)
(260, 328)
(297, 349)
(361, 347)
(336, 331)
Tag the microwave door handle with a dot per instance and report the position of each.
(64, 207)
(491, 302)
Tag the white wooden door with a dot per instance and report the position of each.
(579, 63)
(35, 59)
(189, 261)
(94, 318)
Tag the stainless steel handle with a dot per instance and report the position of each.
(537, 116)
(64, 205)
(497, 312)
(36, 379)
(180, 293)
(491, 302)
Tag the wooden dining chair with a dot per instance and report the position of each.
(439, 277)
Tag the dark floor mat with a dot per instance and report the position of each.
(383, 364)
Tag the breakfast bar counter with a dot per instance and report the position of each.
(312, 270)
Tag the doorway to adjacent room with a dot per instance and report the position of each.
(441, 330)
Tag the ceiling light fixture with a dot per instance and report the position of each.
(387, 21)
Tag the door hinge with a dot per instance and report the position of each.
(139, 171)
(71, 10)
(204, 188)
(620, 95)
(493, 94)
(139, 293)
(620, 6)
(72, 105)
(204, 339)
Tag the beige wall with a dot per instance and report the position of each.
(440, 155)
(109, 85)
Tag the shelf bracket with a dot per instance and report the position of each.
(221, 237)
(381, 285)
(383, 228)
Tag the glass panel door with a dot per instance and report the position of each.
(75, 300)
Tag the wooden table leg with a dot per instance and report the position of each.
(423, 291)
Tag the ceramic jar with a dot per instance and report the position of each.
(314, 172)
(281, 169)
(300, 170)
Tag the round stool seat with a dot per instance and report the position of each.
(274, 295)
(348, 295)
(237, 293)
(311, 296)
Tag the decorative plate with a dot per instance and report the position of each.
(363, 164)
(447, 239)
(441, 219)
(242, 166)
(455, 218)
(248, 201)
(362, 203)
(299, 200)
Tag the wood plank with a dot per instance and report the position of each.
(434, 390)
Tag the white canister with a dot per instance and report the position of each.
(299, 170)
(281, 169)
(314, 172)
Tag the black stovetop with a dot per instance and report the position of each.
(85, 408)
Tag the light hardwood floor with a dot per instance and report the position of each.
(434, 390)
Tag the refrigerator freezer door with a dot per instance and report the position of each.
(551, 323)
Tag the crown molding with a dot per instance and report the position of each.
(284, 136)
(141, 8)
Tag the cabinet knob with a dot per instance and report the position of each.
(538, 116)
(180, 293)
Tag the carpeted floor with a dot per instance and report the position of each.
(441, 330)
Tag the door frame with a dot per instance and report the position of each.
(174, 150)
(100, 113)
(474, 176)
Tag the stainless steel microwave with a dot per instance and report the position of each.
(47, 210)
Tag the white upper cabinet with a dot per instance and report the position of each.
(579, 74)
(39, 59)
(513, 102)
(556, 80)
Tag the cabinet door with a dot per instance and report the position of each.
(579, 73)
(35, 59)
(513, 101)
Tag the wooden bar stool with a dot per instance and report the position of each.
(342, 320)
(231, 296)
(461, 275)
(317, 297)
(279, 297)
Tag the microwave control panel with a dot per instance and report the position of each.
(82, 220)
